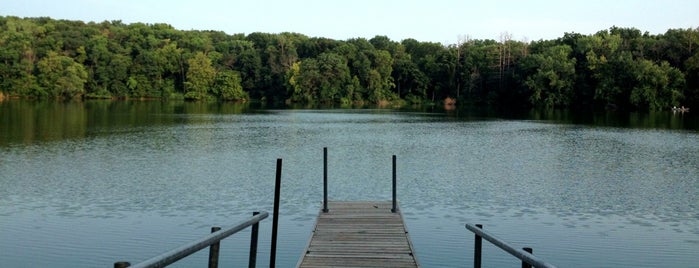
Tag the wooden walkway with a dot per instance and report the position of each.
(359, 234)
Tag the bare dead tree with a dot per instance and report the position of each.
(525, 46)
(505, 55)
(460, 41)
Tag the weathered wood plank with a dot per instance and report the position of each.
(359, 234)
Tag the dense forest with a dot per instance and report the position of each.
(618, 67)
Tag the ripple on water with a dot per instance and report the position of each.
(581, 196)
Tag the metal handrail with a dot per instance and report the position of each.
(518, 253)
(176, 254)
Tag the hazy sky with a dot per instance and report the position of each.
(430, 20)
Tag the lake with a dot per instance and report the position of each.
(86, 184)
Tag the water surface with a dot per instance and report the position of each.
(88, 184)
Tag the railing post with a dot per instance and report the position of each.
(275, 220)
(394, 209)
(477, 249)
(525, 255)
(213, 250)
(524, 263)
(122, 264)
(253, 243)
(325, 179)
(192, 247)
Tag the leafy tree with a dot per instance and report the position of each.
(303, 80)
(119, 75)
(248, 63)
(335, 76)
(44, 57)
(380, 80)
(169, 61)
(322, 79)
(200, 77)
(410, 81)
(228, 85)
(552, 79)
(61, 76)
(692, 77)
(657, 86)
(17, 57)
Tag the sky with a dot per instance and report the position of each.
(443, 21)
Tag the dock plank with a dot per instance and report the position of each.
(359, 234)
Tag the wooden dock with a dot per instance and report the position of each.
(359, 234)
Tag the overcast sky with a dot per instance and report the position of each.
(430, 20)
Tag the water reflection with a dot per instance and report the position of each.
(27, 122)
(643, 120)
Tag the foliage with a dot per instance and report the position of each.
(323, 79)
(200, 77)
(228, 86)
(551, 83)
(48, 58)
(61, 76)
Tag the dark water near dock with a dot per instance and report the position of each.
(87, 184)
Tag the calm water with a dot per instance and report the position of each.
(88, 184)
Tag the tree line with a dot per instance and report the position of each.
(619, 67)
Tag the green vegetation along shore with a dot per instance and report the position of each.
(618, 67)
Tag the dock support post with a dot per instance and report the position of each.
(253, 243)
(213, 250)
(524, 263)
(477, 249)
(394, 209)
(325, 179)
(275, 220)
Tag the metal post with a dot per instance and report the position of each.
(477, 249)
(253, 243)
(325, 179)
(394, 209)
(122, 264)
(275, 220)
(213, 250)
(524, 263)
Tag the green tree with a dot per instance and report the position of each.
(61, 76)
(334, 77)
(301, 84)
(356, 51)
(380, 80)
(247, 61)
(657, 87)
(610, 68)
(119, 75)
(18, 57)
(46, 58)
(200, 77)
(169, 60)
(97, 66)
(553, 77)
(325, 79)
(692, 77)
(410, 81)
(228, 85)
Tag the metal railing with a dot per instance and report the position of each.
(394, 207)
(212, 240)
(525, 254)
